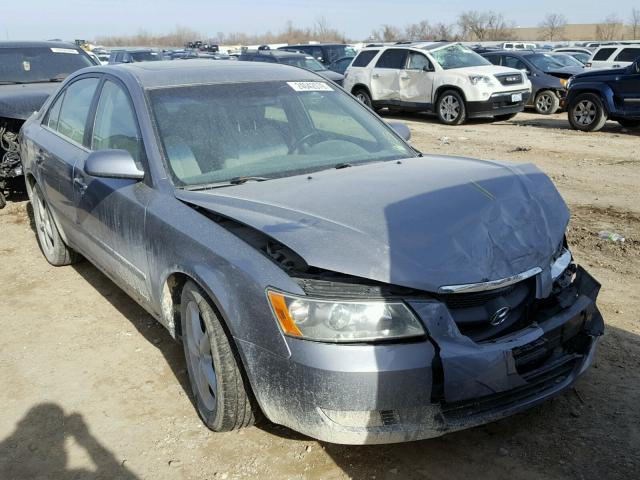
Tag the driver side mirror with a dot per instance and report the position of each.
(401, 129)
(112, 164)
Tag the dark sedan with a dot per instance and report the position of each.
(316, 267)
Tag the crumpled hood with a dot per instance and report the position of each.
(421, 223)
(331, 75)
(20, 101)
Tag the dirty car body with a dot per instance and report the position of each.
(373, 294)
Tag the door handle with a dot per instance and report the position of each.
(375, 75)
(39, 157)
(80, 184)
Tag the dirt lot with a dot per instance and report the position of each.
(93, 388)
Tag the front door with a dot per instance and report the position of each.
(628, 88)
(416, 81)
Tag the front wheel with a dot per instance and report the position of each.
(450, 108)
(586, 113)
(546, 102)
(363, 97)
(219, 388)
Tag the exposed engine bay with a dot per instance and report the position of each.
(10, 165)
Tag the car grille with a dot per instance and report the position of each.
(510, 78)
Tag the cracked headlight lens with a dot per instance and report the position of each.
(343, 321)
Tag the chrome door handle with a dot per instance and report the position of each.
(80, 184)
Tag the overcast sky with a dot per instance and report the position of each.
(70, 19)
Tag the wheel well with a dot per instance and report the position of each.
(444, 88)
(170, 304)
(595, 92)
(360, 86)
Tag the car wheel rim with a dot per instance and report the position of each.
(363, 98)
(44, 225)
(449, 108)
(544, 103)
(199, 356)
(585, 113)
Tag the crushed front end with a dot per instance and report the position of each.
(11, 175)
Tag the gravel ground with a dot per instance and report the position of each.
(92, 387)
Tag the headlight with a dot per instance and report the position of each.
(560, 263)
(564, 82)
(343, 321)
(477, 79)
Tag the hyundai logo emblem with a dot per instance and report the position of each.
(500, 316)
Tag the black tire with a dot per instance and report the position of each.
(451, 108)
(51, 244)
(363, 96)
(227, 405)
(3, 201)
(628, 123)
(546, 102)
(505, 117)
(586, 113)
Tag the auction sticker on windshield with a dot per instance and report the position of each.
(64, 50)
(310, 86)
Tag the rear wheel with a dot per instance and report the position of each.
(546, 102)
(219, 388)
(587, 113)
(628, 123)
(53, 247)
(450, 108)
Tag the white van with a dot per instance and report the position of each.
(614, 56)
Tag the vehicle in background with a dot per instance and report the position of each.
(191, 54)
(583, 58)
(518, 46)
(315, 266)
(614, 56)
(294, 59)
(325, 53)
(584, 50)
(548, 76)
(447, 79)
(134, 55)
(599, 95)
(565, 59)
(340, 66)
(103, 58)
(29, 72)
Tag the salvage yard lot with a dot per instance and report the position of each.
(94, 387)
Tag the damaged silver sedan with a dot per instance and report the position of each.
(317, 268)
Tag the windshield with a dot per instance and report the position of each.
(145, 56)
(216, 133)
(458, 56)
(545, 62)
(567, 60)
(581, 57)
(309, 63)
(40, 64)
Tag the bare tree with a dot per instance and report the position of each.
(386, 33)
(553, 26)
(634, 21)
(444, 32)
(482, 26)
(609, 29)
(419, 31)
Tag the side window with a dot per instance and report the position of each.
(495, 59)
(392, 58)
(75, 108)
(513, 62)
(603, 54)
(417, 61)
(54, 113)
(364, 58)
(628, 55)
(115, 125)
(119, 56)
(316, 52)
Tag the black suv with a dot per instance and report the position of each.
(600, 95)
(325, 53)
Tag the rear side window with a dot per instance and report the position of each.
(392, 58)
(115, 123)
(75, 109)
(494, 59)
(364, 58)
(54, 113)
(514, 62)
(628, 55)
(603, 54)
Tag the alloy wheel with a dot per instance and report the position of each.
(199, 356)
(449, 108)
(585, 112)
(544, 102)
(44, 224)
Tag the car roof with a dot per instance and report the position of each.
(133, 50)
(276, 53)
(28, 44)
(521, 53)
(315, 45)
(169, 73)
(419, 45)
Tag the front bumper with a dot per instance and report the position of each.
(498, 104)
(366, 394)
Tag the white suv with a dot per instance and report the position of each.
(448, 79)
(614, 56)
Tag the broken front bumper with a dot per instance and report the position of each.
(357, 394)
(498, 104)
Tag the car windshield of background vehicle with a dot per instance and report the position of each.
(40, 64)
(334, 52)
(567, 60)
(545, 62)
(145, 56)
(458, 56)
(304, 62)
(215, 133)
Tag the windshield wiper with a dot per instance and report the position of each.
(227, 183)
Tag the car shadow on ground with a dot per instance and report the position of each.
(390, 115)
(36, 448)
(562, 123)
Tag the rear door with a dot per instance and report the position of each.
(416, 80)
(385, 76)
(111, 211)
(60, 145)
(626, 56)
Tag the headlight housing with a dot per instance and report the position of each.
(343, 321)
(480, 79)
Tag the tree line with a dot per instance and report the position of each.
(473, 26)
